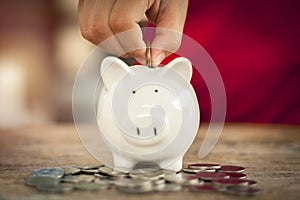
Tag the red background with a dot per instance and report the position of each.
(255, 45)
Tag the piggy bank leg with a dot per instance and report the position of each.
(122, 163)
(175, 166)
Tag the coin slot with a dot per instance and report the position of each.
(155, 133)
(138, 131)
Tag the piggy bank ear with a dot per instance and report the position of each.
(182, 66)
(112, 70)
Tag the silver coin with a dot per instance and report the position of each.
(170, 188)
(204, 166)
(55, 188)
(108, 171)
(104, 184)
(160, 181)
(127, 182)
(107, 177)
(175, 178)
(56, 172)
(78, 178)
(66, 187)
(159, 186)
(71, 170)
(96, 166)
(147, 173)
(42, 180)
(83, 185)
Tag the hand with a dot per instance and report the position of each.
(101, 19)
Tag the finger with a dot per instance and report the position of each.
(84, 19)
(101, 29)
(124, 21)
(169, 18)
(93, 20)
(165, 43)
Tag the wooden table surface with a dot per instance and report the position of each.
(270, 153)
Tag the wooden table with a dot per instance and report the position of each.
(270, 153)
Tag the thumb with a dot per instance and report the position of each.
(166, 42)
(169, 22)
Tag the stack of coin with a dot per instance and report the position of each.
(222, 178)
(145, 177)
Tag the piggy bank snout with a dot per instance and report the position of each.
(150, 124)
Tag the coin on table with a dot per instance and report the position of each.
(195, 171)
(208, 176)
(231, 168)
(48, 171)
(48, 188)
(175, 178)
(128, 182)
(71, 170)
(66, 187)
(89, 171)
(83, 185)
(171, 187)
(230, 182)
(42, 180)
(96, 166)
(236, 175)
(108, 171)
(204, 166)
(105, 176)
(55, 188)
(147, 173)
(104, 184)
(159, 183)
(78, 178)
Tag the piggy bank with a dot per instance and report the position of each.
(147, 114)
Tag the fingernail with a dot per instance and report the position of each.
(158, 59)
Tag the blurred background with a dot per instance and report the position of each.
(41, 49)
(255, 45)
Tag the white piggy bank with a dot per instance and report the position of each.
(147, 114)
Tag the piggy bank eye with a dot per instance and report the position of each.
(156, 90)
(133, 91)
